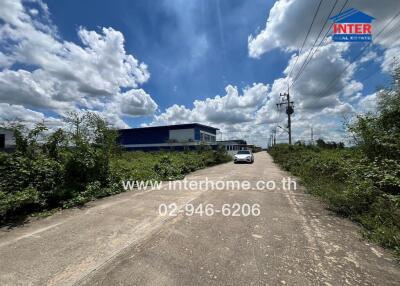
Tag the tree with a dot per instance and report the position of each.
(378, 134)
(93, 144)
(320, 143)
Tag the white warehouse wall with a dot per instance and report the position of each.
(182, 135)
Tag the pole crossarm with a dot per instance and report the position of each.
(285, 101)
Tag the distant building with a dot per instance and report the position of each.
(7, 140)
(233, 146)
(170, 137)
(178, 137)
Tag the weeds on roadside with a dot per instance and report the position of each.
(72, 166)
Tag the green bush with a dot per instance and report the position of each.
(162, 165)
(363, 182)
(18, 200)
(70, 168)
(352, 185)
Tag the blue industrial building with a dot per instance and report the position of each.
(170, 137)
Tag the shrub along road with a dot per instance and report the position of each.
(122, 240)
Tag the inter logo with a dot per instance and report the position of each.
(352, 26)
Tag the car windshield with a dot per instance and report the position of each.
(244, 152)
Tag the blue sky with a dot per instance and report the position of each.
(193, 50)
(221, 63)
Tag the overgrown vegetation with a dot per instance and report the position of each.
(362, 182)
(82, 162)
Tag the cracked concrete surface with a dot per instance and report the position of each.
(121, 240)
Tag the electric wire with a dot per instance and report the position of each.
(310, 56)
(330, 85)
(305, 39)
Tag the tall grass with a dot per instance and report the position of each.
(66, 168)
(351, 185)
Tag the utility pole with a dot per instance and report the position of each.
(312, 136)
(272, 138)
(285, 100)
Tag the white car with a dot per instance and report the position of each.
(243, 156)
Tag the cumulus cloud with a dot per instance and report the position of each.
(289, 20)
(235, 113)
(232, 108)
(326, 82)
(135, 102)
(319, 85)
(10, 113)
(315, 92)
(368, 103)
(176, 114)
(325, 93)
(282, 29)
(63, 75)
(29, 89)
(326, 90)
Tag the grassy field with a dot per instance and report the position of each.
(352, 185)
(163, 165)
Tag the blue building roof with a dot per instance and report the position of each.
(159, 134)
(352, 16)
(175, 126)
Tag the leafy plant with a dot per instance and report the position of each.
(80, 163)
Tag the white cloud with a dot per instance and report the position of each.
(368, 103)
(174, 115)
(63, 75)
(323, 81)
(136, 102)
(370, 56)
(237, 114)
(326, 91)
(340, 109)
(289, 21)
(391, 57)
(282, 29)
(29, 89)
(324, 95)
(231, 108)
(10, 113)
(352, 89)
(323, 84)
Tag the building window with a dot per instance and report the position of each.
(207, 137)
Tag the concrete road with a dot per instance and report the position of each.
(122, 240)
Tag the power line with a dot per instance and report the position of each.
(305, 39)
(329, 86)
(315, 41)
(371, 62)
(371, 74)
(308, 59)
(324, 39)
